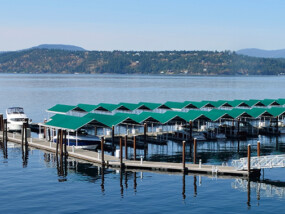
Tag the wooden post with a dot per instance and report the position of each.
(248, 158)
(121, 153)
(49, 134)
(144, 133)
(61, 143)
(1, 122)
(258, 148)
(102, 150)
(26, 134)
(57, 141)
(113, 139)
(195, 151)
(23, 133)
(65, 142)
(277, 128)
(190, 130)
(126, 147)
(135, 152)
(238, 127)
(6, 130)
(183, 156)
(95, 131)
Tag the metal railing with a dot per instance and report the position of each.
(262, 162)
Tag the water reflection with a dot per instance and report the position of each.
(4, 148)
(25, 155)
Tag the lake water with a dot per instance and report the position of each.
(36, 185)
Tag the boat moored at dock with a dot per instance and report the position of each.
(81, 139)
(15, 118)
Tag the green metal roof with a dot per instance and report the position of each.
(152, 106)
(61, 109)
(67, 122)
(238, 103)
(87, 107)
(106, 107)
(217, 114)
(139, 118)
(253, 103)
(281, 101)
(175, 105)
(220, 103)
(258, 112)
(239, 113)
(277, 111)
(270, 102)
(110, 120)
(128, 106)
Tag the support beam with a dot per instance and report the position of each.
(248, 158)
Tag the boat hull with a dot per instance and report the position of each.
(84, 142)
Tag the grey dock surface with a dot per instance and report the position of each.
(114, 162)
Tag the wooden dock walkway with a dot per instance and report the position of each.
(114, 162)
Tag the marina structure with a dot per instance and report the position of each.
(137, 125)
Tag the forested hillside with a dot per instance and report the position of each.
(138, 62)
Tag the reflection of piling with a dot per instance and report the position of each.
(102, 178)
(135, 181)
(248, 193)
(183, 187)
(195, 186)
(121, 182)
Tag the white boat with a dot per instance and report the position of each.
(15, 118)
(81, 140)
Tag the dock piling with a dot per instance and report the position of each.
(135, 151)
(190, 130)
(102, 151)
(183, 157)
(121, 153)
(195, 151)
(258, 148)
(248, 158)
(113, 139)
(126, 147)
(144, 134)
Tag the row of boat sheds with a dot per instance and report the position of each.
(205, 120)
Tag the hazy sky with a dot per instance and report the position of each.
(143, 24)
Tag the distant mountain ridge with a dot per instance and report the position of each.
(255, 52)
(43, 60)
(59, 47)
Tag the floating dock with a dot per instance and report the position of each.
(114, 162)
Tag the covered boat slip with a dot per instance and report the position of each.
(137, 108)
(232, 122)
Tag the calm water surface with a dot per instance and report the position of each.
(37, 185)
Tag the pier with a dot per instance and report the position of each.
(115, 162)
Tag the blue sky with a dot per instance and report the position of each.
(143, 24)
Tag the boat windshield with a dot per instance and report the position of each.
(15, 110)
